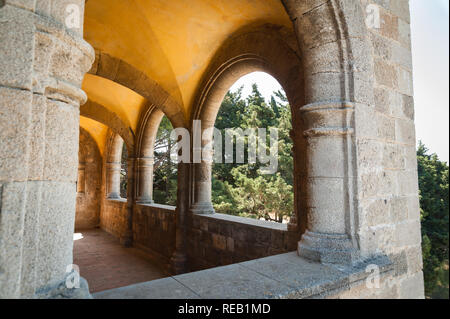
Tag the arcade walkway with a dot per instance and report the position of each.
(105, 264)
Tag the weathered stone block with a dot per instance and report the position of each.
(393, 157)
(389, 25)
(376, 212)
(219, 241)
(412, 287)
(408, 234)
(61, 138)
(16, 51)
(15, 122)
(386, 74)
(399, 209)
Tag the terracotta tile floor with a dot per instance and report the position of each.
(105, 264)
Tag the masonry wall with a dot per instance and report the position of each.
(154, 231)
(89, 183)
(219, 240)
(113, 217)
(389, 221)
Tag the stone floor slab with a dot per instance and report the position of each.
(166, 288)
(232, 282)
(305, 277)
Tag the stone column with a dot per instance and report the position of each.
(293, 221)
(127, 239)
(329, 130)
(202, 189)
(43, 59)
(81, 182)
(202, 158)
(113, 180)
(145, 180)
(179, 258)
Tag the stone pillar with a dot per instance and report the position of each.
(127, 239)
(113, 180)
(202, 189)
(145, 180)
(179, 258)
(42, 66)
(202, 158)
(81, 182)
(329, 130)
(293, 221)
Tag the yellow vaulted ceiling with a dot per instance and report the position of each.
(117, 98)
(97, 130)
(173, 41)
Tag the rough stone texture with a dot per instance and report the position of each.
(154, 231)
(217, 240)
(59, 290)
(42, 67)
(389, 204)
(166, 288)
(350, 87)
(113, 216)
(89, 183)
(283, 276)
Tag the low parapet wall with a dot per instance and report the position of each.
(218, 240)
(113, 217)
(154, 231)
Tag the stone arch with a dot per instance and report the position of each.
(125, 74)
(333, 40)
(102, 115)
(90, 174)
(269, 49)
(114, 148)
(148, 128)
(329, 80)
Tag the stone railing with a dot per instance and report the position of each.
(154, 231)
(217, 240)
(113, 216)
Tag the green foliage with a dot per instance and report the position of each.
(434, 203)
(124, 172)
(165, 171)
(239, 189)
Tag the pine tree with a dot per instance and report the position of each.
(434, 203)
(240, 189)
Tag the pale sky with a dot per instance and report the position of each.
(430, 47)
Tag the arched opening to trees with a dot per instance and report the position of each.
(124, 172)
(243, 187)
(165, 168)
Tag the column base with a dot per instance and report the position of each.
(113, 196)
(178, 263)
(328, 248)
(60, 290)
(202, 209)
(145, 201)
